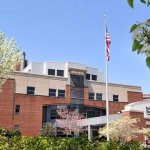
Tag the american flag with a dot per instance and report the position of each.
(108, 42)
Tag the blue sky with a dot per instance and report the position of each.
(73, 30)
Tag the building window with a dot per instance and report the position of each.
(17, 109)
(30, 90)
(88, 76)
(61, 93)
(91, 96)
(99, 96)
(51, 72)
(115, 98)
(94, 77)
(16, 127)
(60, 73)
(52, 92)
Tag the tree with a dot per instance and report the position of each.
(48, 129)
(68, 121)
(141, 34)
(122, 130)
(10, 57)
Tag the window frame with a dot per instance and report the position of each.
(61, 73)
(100, 95)
(17, 109)
(52, 92)
(115, 99)
(30, 91)
(91, 97)
(53, 74)
(88, 76)
(61, 94)
(93, 75)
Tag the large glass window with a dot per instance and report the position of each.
(94, 77)
(30, 90)
(91, 96)
(99, 96)
(77, 80)
(51, 72)
(60, 73)
(61, 93)
(115, 98)
(52, 92)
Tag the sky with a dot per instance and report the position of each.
(73, 30)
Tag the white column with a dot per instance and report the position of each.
(89, 132)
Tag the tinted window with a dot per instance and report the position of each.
(77, 80)
(115, 98)
(91, 96)
(94, 77)
(88, 76)
(30, 90)
(60, 73)
(51, 72)
(52, 92)
(98, 96)
(61, 93)
(17, 109)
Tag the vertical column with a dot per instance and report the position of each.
(89, 132)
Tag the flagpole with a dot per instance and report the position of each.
(106, 73)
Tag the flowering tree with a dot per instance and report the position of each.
(68, 121)
(141, 35)
(122, 130)
(10, 57)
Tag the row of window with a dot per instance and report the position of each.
(98, 96)
(91, 77)
(52, 92)
(61, 74)
(53, 72)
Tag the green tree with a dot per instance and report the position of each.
(141, 34)
(10, 57)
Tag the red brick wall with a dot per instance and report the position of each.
(134, 96)
(30, 117)
(142, 122)
(6, 104)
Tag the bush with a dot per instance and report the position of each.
(18, 142)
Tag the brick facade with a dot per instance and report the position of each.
(7, 101)
(29, 118)
(134, 96)
(141, 123)
(114, 107)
